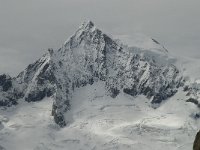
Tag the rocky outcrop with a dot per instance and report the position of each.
(9, 91)
(193, 100)
(196, 145)
(90, 56)
(5, 82)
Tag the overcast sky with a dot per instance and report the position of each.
(29, 27)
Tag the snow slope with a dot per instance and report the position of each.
(99, 122)
(142, 41)
(89, 56)
(104, 94)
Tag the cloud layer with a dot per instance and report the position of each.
(28, 28)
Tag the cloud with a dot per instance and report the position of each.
(30, 27)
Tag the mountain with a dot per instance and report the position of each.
(196, 144)
(89, 58)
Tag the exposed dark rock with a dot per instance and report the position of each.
(9, 94)
(57, 114)
(114, 92)
(46, 75)
(188, 94)
(159, 97)
(38, 95)
(50, 92)
(4, 103)
(196, 144)
(9, 99)
(59, 119)
(7, 85)
(185, 88)
(197, 116)
(147, 91)
(131, 91)
(155, 41)
(100, 59)
(17, 94)
(5, 82)
(91, 81)
(35, 96)
(192, 100)
(50, 50)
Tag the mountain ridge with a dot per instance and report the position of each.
(86, 57)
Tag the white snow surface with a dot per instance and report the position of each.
(187, 65)
(142, 41)
(99, 122)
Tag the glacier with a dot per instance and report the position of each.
(95, 92)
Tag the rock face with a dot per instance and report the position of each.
(87, 57)
(5, 82)
(9, 93)
(196, 145)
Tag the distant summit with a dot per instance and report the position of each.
(87, 57)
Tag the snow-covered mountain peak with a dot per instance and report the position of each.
(90, 56)
(85, 27)
(85, 33)
(89, 38)
(97, 84)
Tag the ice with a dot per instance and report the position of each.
(100, 122)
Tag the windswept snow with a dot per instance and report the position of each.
(99, 122)
(142, 41)
(190, 68)
(82, 77)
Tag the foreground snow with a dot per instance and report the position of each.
(99, 122)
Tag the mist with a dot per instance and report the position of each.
(29, 28)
